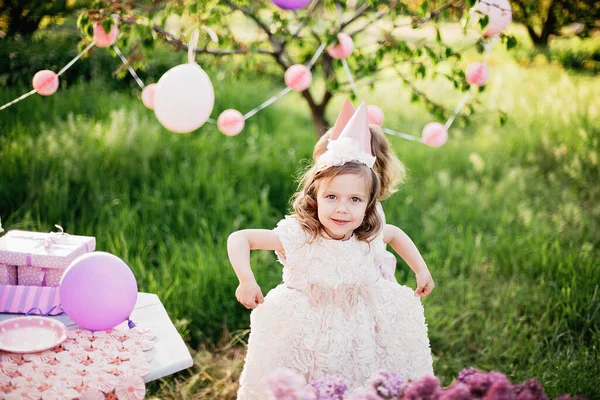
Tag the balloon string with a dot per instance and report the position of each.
(77, 57)
(285, 91)
(192, 46)
(131, 70)
(66, 67)
(267, 103)
(458, 108)
(402, 135)
(350, 77)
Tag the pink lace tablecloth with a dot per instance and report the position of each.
(100, 365)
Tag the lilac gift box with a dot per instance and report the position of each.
(8, 274)
(40, 259)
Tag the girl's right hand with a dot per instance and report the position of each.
(249, 294)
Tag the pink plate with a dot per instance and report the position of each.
(31, 334)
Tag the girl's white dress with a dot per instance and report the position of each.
(334, 315)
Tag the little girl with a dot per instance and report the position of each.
(389, 169)
(332, 315)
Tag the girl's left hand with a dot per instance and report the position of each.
(425, 284)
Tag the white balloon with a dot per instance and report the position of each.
(184, 98)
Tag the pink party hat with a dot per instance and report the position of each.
(357, 128)
(342, 119)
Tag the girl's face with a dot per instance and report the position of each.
(341, 204)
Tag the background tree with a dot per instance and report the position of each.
(547, 17)
(24, 17)
(283, 38)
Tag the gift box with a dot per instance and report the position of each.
(40, 259)
(33, 299)
(8, 274)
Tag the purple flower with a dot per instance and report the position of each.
(330, 388)
(530, 390)
(426, 388)
(458, 391)
(387, 384)
(480, 382)
(500, 390)
(285, 384)
(465, 373)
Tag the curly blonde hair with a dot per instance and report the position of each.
(388, 167)
(305, 199)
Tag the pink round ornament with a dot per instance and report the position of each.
(477, 74)
(298, 77)
(343, 49)
(230, 122)
(148, 96)
(375, 115)
(434, 134)
(103, 39)
(499, 13)
(45, 82)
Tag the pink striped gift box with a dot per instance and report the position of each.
(40, 259)
(22, 299)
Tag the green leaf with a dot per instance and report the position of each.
(502, 119)
(107, 24)
(483, 22)
(511, 42)
(471, 3)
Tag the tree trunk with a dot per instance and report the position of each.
(320, 122)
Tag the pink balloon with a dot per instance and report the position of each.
(45, 82)
(477, 74)
(434, 134)
(291, 4)
(499, 13)
(343, 49)
(98, 291)
(298, 77)
(230, 122)
(375, 115)
(148, 96)
(103, 39)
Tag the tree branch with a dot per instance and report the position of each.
(171, 39)
(434, 13)
(356, 15)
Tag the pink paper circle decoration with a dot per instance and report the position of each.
(375, 115)
(477, 74)
(230, 122)
(148, 96)
(45, 82)
(184, 98)
(343, 49)
(98, 291)
(103, 39)
(291, 4)
(298, 77)
(434, 134)
(499, 13)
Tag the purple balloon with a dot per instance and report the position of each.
(98, 291)
(291, 4)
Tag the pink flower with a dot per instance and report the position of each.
(458, 391)
(364, 394)
(59, 391)
(71, 356)
(7, 367)
(144, 333)
(426, 388)
(101, 381)
(130, 387)
(91, 394)
(138, 344)
(29, 393)
(66, 379)
(22, 382)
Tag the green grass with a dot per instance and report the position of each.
(506, 217)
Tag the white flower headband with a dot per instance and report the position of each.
(350, 139)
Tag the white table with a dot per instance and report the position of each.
(169, 354)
